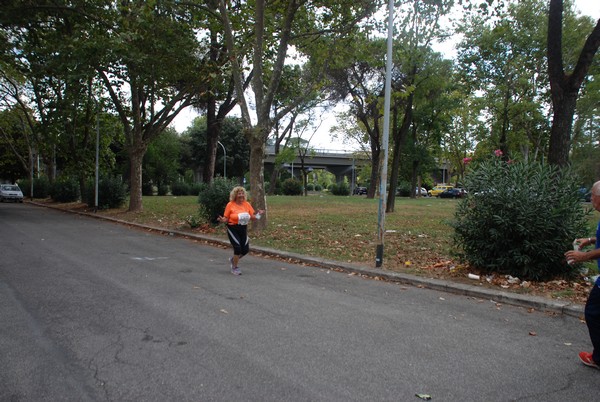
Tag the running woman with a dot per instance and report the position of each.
(238, 213)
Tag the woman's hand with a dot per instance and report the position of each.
(222, 219)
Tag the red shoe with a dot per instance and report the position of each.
(586, 358)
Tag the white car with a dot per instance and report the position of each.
(10, 192)
(422, 193)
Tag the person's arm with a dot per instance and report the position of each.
(225, 218)
(253, 213)
(582, 256)
(585, 241)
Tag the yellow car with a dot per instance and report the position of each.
(440, 188)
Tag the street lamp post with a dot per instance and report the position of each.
(97, 155)
(224, 159)
(384, 146)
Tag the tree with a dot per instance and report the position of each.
(275, 28)
(161, 160)
(564, 87)
(502, 62)
(14, 152)
(150, 73)
(417, 30)
(232, 138)
(361, 83)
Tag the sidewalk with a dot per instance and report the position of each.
(525, 301)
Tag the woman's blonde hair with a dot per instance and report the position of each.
(236, 190)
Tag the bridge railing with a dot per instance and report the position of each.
(270, 150)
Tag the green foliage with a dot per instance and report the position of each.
(41, 187)
(112, 193)
(340, 189)
(161, 160)
(310, 187)
(147, 188)
(163, 189)
(195, 220)
(403, 189)
(195, 188)
(65, 189)
(213, 198)
(519, 219)
(180, 188)
(291, 187)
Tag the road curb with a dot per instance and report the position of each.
(526, 301)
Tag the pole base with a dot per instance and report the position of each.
(379, 256)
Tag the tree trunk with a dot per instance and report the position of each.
(375, 168)
(257, 179)
(212, 142)
(565, 87)
(391, 199)
(136, 155)
(400, 136)
(560, 134)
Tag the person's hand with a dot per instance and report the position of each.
(222, 219)
(573, 256)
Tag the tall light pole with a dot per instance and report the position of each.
(97, 155)
(224, 160)
(386, 135)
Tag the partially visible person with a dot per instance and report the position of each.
(238, 213)
(592, 306)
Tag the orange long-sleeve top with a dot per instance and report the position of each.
(237, 214)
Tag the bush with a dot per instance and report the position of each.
(180, 188)
(65, 189)
(519, 219)
(41, 187)
(310, 187)
(291, 186)
(403, 189)
(111, 193)
(147, 189)
(163, 189)
(213, 198)
(318, 187)
(340, 189)
(195, 189)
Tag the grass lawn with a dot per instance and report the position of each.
(418, 233)
(418, 239)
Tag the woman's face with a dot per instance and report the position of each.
(240, 196)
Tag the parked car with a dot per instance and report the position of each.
(452, 193)
(10, 192)
(440, 188)
(360, 190)
(421, 191)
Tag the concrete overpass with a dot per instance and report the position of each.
(340, 163)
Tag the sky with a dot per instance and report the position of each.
(322, 138)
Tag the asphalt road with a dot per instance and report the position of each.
(96, 311)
